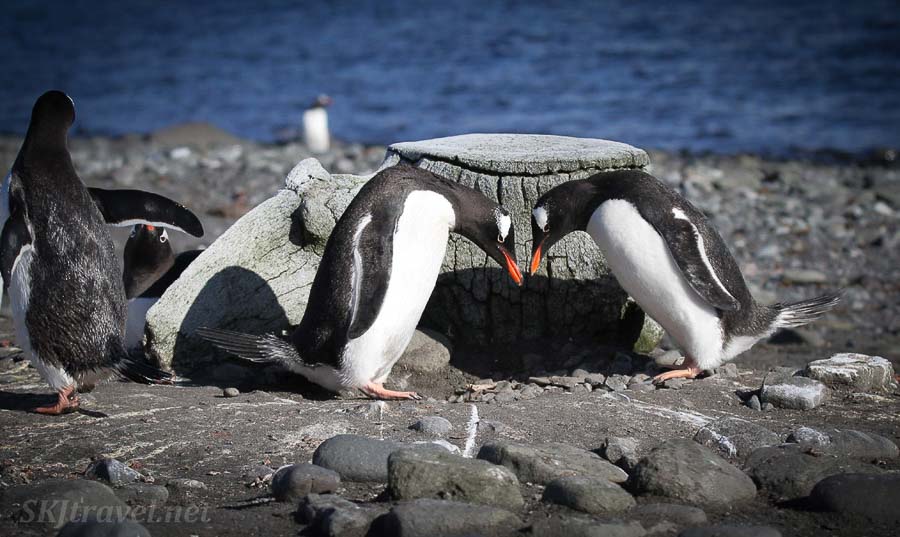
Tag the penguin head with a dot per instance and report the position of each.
(556, 214)
(490, 227)
(322, 101)
(148, 255)
(54, 110)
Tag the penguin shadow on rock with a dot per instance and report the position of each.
(202, 364)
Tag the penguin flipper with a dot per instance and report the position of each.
(372, 255)
(689, 247)
(125, 207)
(14, 237)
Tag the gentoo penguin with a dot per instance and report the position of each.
(59, 264)
(378, 270)
(315, 125)
(150, 267)
(667, 256)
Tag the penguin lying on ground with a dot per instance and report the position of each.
(668, 257)
(58, 260)
(150, 267)
(378, 270)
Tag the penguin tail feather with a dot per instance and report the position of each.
(264, 349)
(804, 312)
(135, 371)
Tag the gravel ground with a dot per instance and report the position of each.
(797, 228)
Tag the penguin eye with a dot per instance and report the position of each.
(546, 228)
(134, 231)
(164, 237)
(499, 238)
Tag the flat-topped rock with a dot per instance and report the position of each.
(853, 371)
(530, 154)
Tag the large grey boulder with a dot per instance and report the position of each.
(853, 371)
(256, 276)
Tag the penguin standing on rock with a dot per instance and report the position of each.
(58, 261)
(378, 270)
(668, 257)
(150, 267)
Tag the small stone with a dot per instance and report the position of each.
(846, 442)
(682, 515)
(735, 438)
(852, 371)
(430, 518)
(872, 496)
(788, 472)
(675, 384)
(104, 528)
(684, 470)
(588, 494)
(332, 516)
(540, 381)
(542, 463)
(530, 391)
(669, 359)
(143, 494)
(432, 425)
(231, 392)
(798, 393)
(616, 383)
(506, 397)
(804, 276)
(416, 474)
(112, 471)
(647, 386)
(767, 407)
(580, 374)
(564, 526)
(731, 530)
(596, 380)
(360, 458)
(620, 451)
(729, 371)
(427, 353)
(754, 403)
(290, 483)
(565, 382)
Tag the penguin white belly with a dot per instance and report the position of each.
(315, 130)
(137, 318)
(419, 245)
(19, 291)
(642, 263)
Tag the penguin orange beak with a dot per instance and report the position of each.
(512, 267)
(536, 258)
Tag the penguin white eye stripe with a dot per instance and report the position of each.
(540, 217)
(503, 224)
(679, 215)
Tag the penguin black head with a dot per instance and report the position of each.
(322, 101)
(54, 110)
(491, 229)
(148, 255)
(557, 213)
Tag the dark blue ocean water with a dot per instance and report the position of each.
(765, 76)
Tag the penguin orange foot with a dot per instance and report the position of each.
(378, 391)
(688, 370)
(67, 402)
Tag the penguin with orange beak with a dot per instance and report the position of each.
(668, 257)
(379, 268)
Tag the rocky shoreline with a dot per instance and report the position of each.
(541, 438)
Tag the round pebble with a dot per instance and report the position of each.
(231, 392)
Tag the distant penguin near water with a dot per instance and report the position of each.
(315, 125)
(150, 266)
(58, 261)
(378, 270)
(669, 258)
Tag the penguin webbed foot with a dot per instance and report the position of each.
(67, 402)
(687, 370)
(378, 391)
